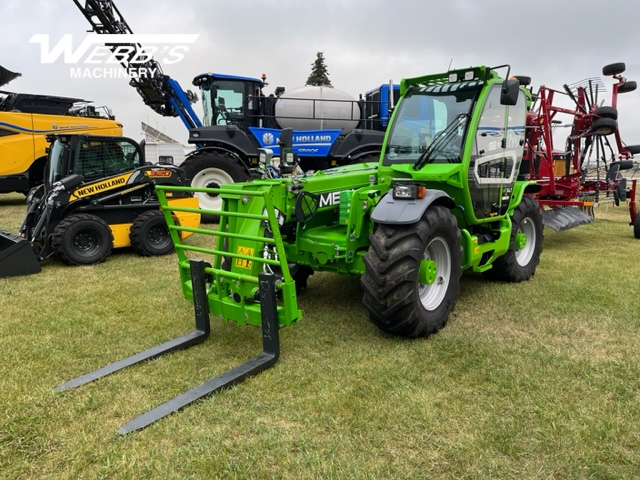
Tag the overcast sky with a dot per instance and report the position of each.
(365, 43)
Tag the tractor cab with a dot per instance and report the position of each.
(230, 100)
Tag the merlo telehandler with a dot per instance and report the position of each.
(445, 196)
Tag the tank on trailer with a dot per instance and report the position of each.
(317, 108)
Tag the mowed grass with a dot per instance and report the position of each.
(533, 380)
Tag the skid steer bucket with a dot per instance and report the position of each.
(560, 219)
(16, 256)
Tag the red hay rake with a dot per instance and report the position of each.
(570, 187)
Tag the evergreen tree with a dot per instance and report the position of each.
(319, 74)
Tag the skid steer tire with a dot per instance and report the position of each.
(82, 239)
(149, 234)
(213, 169)
(399, 298)
(636, 226)
(525, 245)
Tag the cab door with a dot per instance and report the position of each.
(496, 155)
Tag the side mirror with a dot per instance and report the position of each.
(509, 94)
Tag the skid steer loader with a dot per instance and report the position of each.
(98, 194)
(445, 196)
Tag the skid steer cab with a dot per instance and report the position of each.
(98, 194)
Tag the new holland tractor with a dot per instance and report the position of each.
(444, 197)
(98, 194)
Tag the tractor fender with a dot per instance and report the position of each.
(390, 211)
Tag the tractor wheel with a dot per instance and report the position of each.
(614, 69)
(636, 226)
(149, 234)
(627, 87)
(606, 112)
(82, 239)
(604, 126)
(210, 170)
(525, 245)
(412, 274)
(300, 274)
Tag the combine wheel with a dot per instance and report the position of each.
(82, 239)
(412, 274)
(604, 126)
(614, 69)
(636, 226)
(525, 245)
(149, 234)
(210, 170)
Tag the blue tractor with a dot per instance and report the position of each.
(330, 127)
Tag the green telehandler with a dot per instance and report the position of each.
(445, 196)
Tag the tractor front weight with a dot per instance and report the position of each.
(245, 279)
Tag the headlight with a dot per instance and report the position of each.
(409, 191)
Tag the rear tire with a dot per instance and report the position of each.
(211, 170)
(636, 226)
(149, 234)
(412, 274)
(82, 239)
(525, 245)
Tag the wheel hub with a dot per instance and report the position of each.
(428, 272)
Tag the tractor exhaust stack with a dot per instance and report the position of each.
(16, 256)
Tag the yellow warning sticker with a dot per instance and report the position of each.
(241, 262)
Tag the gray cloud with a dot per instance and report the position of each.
(365, 43)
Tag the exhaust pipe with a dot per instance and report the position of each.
(16, 256)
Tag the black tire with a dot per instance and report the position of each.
(82, 239)
(614, 69)
(636, 226)
(627, 87)
(633, 149)
(606, 112)
(149, 234)
(604, 126)
(622, 165)
(525, 245)
(397, 301)
(300, 274)
(212, 169)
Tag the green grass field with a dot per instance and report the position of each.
(533, 380)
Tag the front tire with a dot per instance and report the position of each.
(82, 239)
(149, 234)
(412, 274)
(211, 170)
(525, 245)
(636, 226)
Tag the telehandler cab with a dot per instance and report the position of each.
(98, 194)
(445, 196)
